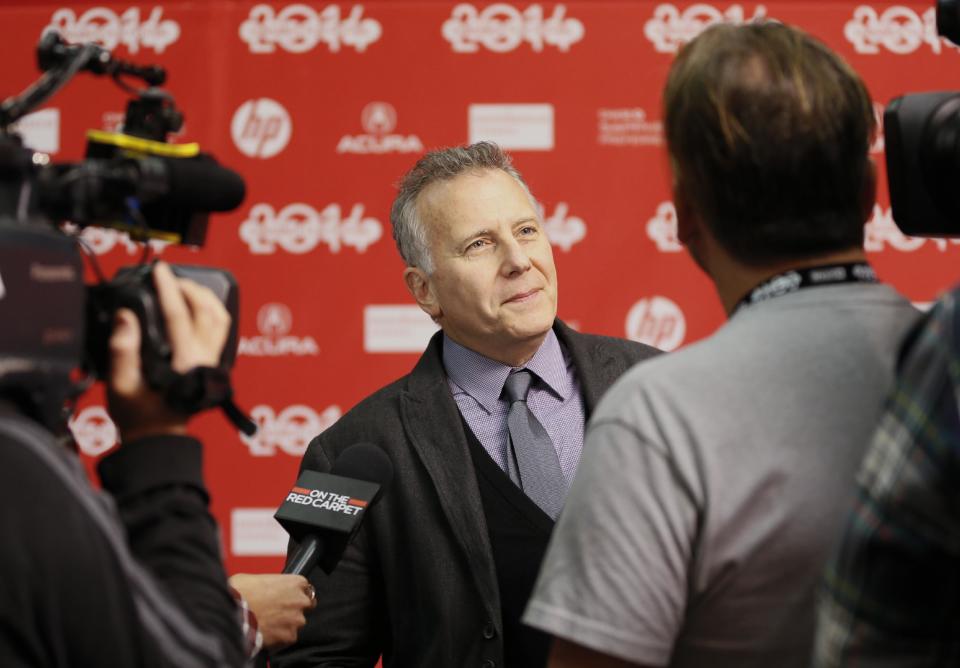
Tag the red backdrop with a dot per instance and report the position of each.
(323, 106)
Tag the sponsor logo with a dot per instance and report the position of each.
(290, 431)
(40, 130)
(93, 430)
(261, 128)
(658, 322)
(103, 240)
(517, 127)
(669, 28)
(563, 231)
(881, 232)
(662, 229)
(501, 27)
(299, 28)
(337, 503)
(396, 328)
(106, 27)
(274, 319)
(255, 533)
(897, 29)
(627, 127)
(379, 119)
(274, 322)
(299, 228)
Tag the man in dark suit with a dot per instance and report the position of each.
(485, 435)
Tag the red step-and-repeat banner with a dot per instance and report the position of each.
(323, 106)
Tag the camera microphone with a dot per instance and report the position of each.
(168, 191)
(197, 184)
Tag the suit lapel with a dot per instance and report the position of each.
(597, 368)
(435, 429)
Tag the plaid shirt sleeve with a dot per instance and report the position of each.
(892, 595)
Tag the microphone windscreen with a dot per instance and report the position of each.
(364, 461)
(201, 184)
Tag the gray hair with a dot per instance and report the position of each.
(440, 165)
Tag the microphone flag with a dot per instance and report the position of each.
(325, 502)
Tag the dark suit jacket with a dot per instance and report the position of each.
(417, 582)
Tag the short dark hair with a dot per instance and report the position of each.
(769, 133)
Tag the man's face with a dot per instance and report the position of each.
(494, 285)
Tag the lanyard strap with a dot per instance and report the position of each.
(809, 277)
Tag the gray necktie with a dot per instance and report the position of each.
(532, 461)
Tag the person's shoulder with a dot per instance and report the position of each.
(384, 399)
(375, 418)
(679, 368)
(27, 451)
(935, 334)
(632, 351)
(22, 464)
(33, 492)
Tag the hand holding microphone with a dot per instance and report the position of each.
(321, 512)
(280, 603)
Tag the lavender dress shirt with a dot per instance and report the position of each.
(477, 382)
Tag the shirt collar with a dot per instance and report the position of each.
(483, 378)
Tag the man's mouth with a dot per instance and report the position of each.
(523, 296)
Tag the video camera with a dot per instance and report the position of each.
(922, 138)
(53, 341)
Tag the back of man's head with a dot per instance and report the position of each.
(769, 131)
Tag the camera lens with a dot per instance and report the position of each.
(940, 154)
(948, 19)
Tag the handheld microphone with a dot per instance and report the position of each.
(323, 510)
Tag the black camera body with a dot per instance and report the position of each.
(133, 288)
(42, 297)
(55, 334)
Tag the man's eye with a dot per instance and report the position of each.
(528, 230)
(479, 243)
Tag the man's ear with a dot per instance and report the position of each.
(868, 196)
(688, 222)
(691, 230)
(421, 289)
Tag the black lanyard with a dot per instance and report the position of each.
(809, 277)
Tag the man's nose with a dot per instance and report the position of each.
(515, 257)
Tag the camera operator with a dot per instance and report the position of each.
(133, 576)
